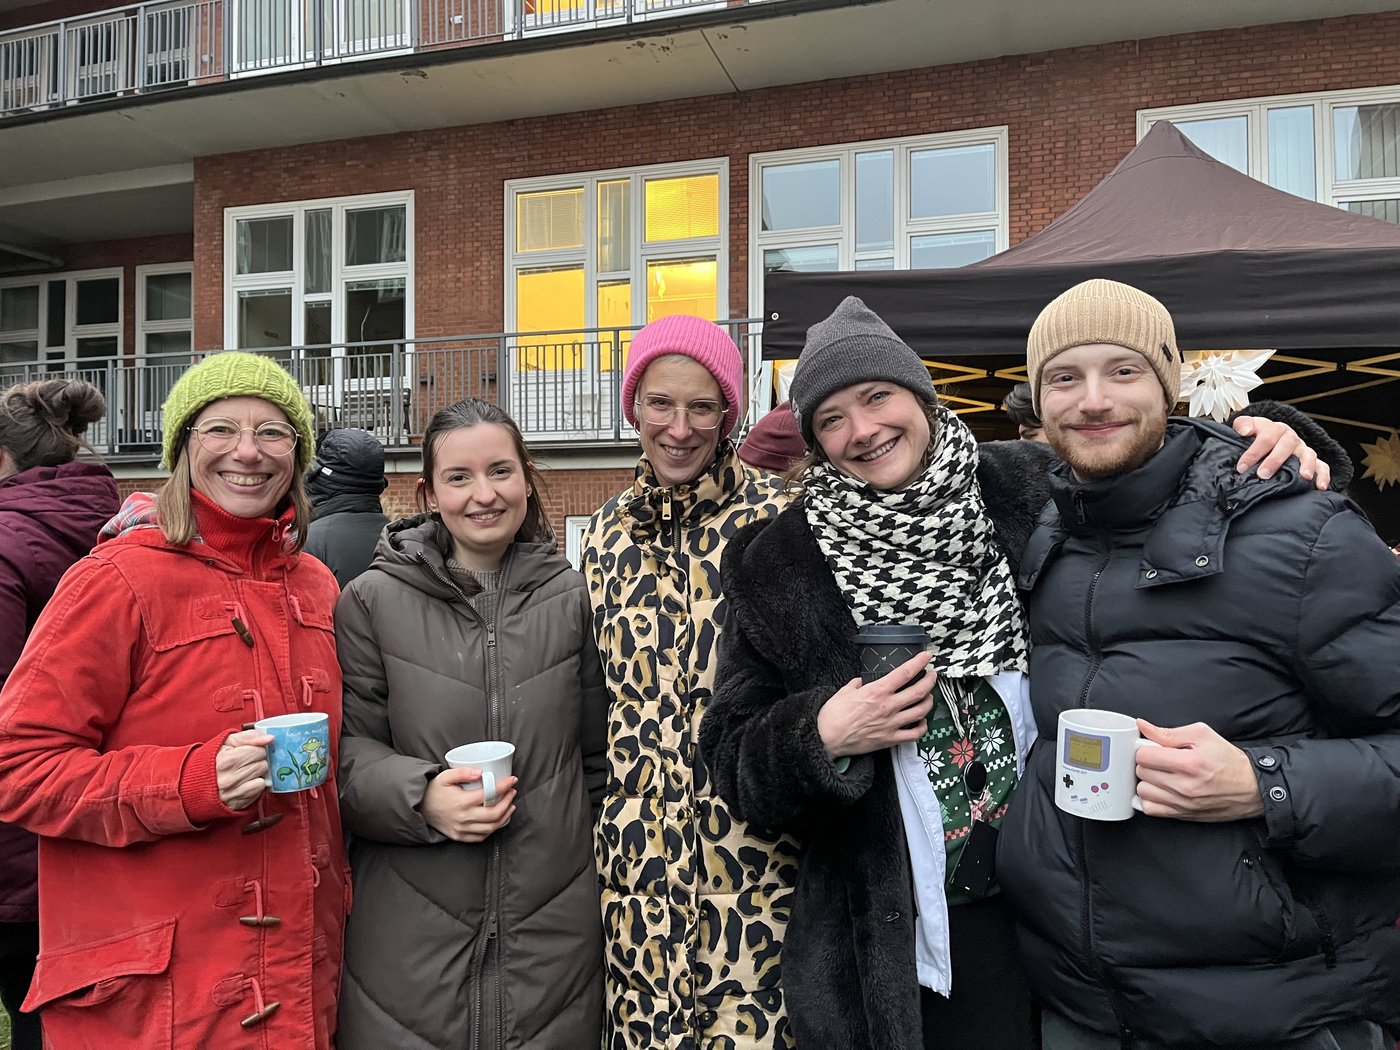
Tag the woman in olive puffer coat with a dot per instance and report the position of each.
(474, 925)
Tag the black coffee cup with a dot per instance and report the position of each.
(884, 646)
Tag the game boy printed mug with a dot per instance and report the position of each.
(1096, 764)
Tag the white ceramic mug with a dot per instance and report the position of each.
(1096, 764)
(492, 757)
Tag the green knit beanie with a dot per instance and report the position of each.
(237, 374)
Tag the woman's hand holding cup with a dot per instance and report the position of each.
(241, 766)
(460, 812)
(861, 718)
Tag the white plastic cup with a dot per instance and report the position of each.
(492, 757)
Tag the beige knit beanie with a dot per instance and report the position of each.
(1103, 311)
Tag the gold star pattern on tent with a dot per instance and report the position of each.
(1218, 382)
(1383, 461)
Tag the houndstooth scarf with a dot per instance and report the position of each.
(925, 554)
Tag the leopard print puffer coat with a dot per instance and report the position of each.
(694, 901)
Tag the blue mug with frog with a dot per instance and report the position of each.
(300, 753)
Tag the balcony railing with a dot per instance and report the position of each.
(158, 46)
(561, 389)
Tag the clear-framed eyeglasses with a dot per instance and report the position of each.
(661, 412)
(223, 435)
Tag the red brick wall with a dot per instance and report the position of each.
(1071, 115)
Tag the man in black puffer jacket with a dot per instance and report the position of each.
(1253, 627)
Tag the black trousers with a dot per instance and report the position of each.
(19, 946)
(991, 1006)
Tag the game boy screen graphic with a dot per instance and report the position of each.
(1086, 751)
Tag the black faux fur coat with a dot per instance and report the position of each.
(848, 960)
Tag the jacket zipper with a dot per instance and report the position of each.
(1086, 905)
(493, 864)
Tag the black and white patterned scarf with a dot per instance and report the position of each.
(925, 554)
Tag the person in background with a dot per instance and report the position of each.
(774, 443)
(1018, 406)
(51, 508)
(694, 900)
(180, 904)
(899, 938)
(476, 922)
(343, 483)
(1252, 628)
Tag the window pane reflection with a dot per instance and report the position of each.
(954, 181)
(800, 196)
(874, 201)
(950, 249)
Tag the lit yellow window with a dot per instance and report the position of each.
(549, 220)
(550, 302)
(682, 286)
(614, 226)
(683, 207)
(614, 310)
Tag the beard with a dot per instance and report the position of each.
(1094, 460)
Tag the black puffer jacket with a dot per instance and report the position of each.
(1182, 592)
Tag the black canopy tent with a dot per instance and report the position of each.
(1239, 264)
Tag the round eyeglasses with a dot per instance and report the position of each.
(661, 412)
(223, 435)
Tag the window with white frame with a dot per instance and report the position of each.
(615, 248)
(164, 329)
(575, 525)
(60, 321)
(322, 274)
(1339, 147)
(893, 204)
(604, 250)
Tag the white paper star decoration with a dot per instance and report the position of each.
(1383, 461)
(1218, 382)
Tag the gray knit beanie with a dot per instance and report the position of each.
(852, 346)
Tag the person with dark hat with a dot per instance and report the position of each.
(1020, 407)
(895, 788)
(180, 902)
(343, 483)
(774, 443)
(1251, 628)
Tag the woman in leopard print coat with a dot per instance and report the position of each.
(694, 901)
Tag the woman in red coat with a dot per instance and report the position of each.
(179, 904)
(50, 510)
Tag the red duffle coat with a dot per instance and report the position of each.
(167, 919)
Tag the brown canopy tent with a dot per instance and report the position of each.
(1239, 264)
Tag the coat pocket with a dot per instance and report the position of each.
(112, 992)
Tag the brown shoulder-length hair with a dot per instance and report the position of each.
(175, 508)
(470, 413)
(793, 476)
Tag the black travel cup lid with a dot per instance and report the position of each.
(892, 634)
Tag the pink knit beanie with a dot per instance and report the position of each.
(694, 337)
